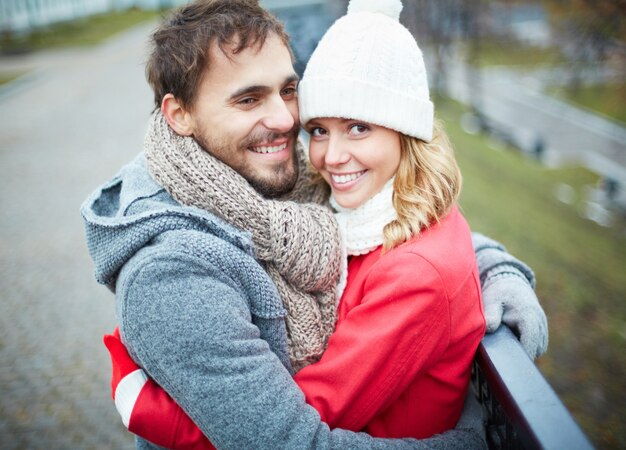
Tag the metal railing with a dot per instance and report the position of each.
(522, 410)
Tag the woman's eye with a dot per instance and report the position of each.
(358, 128)
(317, 132)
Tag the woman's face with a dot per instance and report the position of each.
(354, 157)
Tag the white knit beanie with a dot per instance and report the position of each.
(368, 67)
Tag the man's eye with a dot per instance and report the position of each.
(288, 92)
(247, 101)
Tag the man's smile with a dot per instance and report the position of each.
(269, 148)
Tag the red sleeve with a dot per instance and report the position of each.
(154, 415)
(398, 330)
(157, 418)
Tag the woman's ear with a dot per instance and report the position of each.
(177, 117)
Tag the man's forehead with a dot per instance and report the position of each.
(231, 50)
(266, 63)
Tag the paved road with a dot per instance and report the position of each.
(64, 130)
(515, 103)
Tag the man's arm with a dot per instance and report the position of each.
(508, 295)
(191, 330)
(155, 417)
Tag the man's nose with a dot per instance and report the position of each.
(279, 117)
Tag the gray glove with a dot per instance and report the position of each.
(508, 296)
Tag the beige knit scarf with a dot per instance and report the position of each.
(297, 243)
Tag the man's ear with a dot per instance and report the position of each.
(177, 117)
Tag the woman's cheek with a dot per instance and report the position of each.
(316, 155)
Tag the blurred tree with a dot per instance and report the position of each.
(32, 7)
(432, 24)
(590, 32)
(472, 11)
(448, 29)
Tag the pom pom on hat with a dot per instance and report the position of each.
(391, 8)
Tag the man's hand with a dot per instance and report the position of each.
(507, 286)
(511, 300)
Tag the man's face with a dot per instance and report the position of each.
(246, 115)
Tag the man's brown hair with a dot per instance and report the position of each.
(180, 46)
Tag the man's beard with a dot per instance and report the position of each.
(282, 178)
(285, 179)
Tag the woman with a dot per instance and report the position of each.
(410, 317)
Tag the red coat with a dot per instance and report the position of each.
(398, 363)
(410, 320)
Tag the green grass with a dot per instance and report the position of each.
(83, 32)
(608, 99)
(580, 269)
(8, 77)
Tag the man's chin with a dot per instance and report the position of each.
(277, 183)
(274, 177)
(274, 188)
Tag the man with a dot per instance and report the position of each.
(211, 265)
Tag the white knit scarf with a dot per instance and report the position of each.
(362, 228)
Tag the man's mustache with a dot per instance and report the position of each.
(266, 137)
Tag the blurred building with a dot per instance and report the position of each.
(23, 16)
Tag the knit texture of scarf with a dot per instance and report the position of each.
(298, 244)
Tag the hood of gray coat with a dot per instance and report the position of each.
(128, 212)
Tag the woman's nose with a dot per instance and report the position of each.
(336, 152)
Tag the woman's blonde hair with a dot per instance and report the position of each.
(426, 186)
